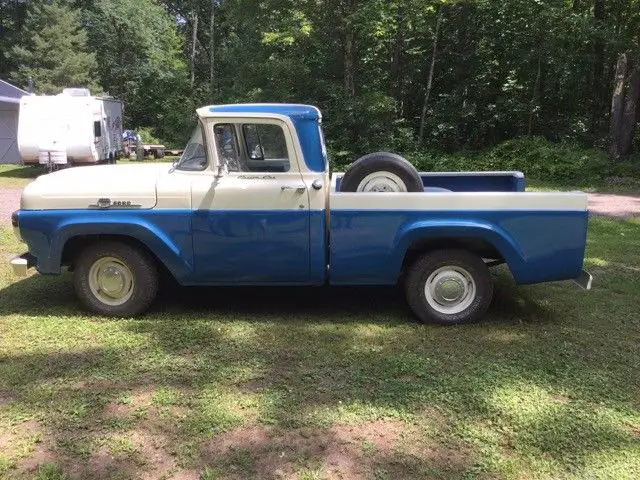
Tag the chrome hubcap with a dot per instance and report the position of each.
(111, 281)
(382, 182)
(450, 290)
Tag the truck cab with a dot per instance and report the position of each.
(252, 202)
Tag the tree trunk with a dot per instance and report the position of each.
(194, 39)
(427, 94)
(624, 106)
(598, 65)
(349, 64)
(212, 43)
(397, 77)
(535, 97)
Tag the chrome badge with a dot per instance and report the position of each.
(104, 203)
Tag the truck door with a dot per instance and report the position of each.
(251, 224)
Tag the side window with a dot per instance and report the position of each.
(194, 157)
(266, 148)
(227, 146)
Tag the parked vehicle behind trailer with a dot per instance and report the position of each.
(71, 128)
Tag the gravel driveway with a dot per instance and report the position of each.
(614, 205)
(9, 202)
(599, 204)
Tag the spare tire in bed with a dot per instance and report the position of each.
(381, 172)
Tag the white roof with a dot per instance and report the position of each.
(10, 93)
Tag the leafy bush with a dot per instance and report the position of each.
(535, 157)
(147, 135)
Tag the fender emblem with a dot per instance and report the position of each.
(104, 203)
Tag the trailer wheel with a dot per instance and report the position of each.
(115, 279)
(449, 287)
(381, 172)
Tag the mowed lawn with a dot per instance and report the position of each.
(324, 383)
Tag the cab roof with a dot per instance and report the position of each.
(291, 110)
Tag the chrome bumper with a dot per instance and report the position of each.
(584, 280)
(21, 264)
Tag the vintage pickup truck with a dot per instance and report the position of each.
(252, 202)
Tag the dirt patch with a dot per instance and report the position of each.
(614, 205)
(340, 452)
(26, 444)
(101, 464)
(117, 410)
(41, 456)
(9, 202)
(5, 399)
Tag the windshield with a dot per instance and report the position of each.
(194, 156)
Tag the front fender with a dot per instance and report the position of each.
(167, 234)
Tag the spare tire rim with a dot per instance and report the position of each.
(111, 281)
(382, 182)
(450, 290)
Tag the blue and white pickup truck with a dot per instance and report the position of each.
(251, 202)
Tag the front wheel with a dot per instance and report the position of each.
(115, 279)
(449, 287)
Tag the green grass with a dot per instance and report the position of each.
(17, 176)
(626, 187)
(232, 383)
(301, 382)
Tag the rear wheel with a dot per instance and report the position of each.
(115, 279)
(449, 287)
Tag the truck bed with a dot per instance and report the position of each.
(468, 181)
(540, 235)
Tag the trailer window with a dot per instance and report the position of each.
(97, 129)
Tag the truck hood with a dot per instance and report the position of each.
(115, 186)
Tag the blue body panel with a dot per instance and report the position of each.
(306, 119)
(198, 247)
(251, 247)
(167, 233)
(475, 183)
(289, 247)
(368, 247)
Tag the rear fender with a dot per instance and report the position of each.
(414, 233)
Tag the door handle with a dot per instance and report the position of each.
(297, 188)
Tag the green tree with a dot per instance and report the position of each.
(12, 16)
(140, 61)
(53, 50)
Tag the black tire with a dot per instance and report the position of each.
(459, 260)
(381, 162)
(142, 267)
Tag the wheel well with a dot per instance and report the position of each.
(479, 246)
(75, 245)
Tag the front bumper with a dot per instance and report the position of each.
(584, 281)
(21, 264)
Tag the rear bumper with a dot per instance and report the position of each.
(21, 264)
(584, 280)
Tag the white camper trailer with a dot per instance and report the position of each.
(72, 127)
